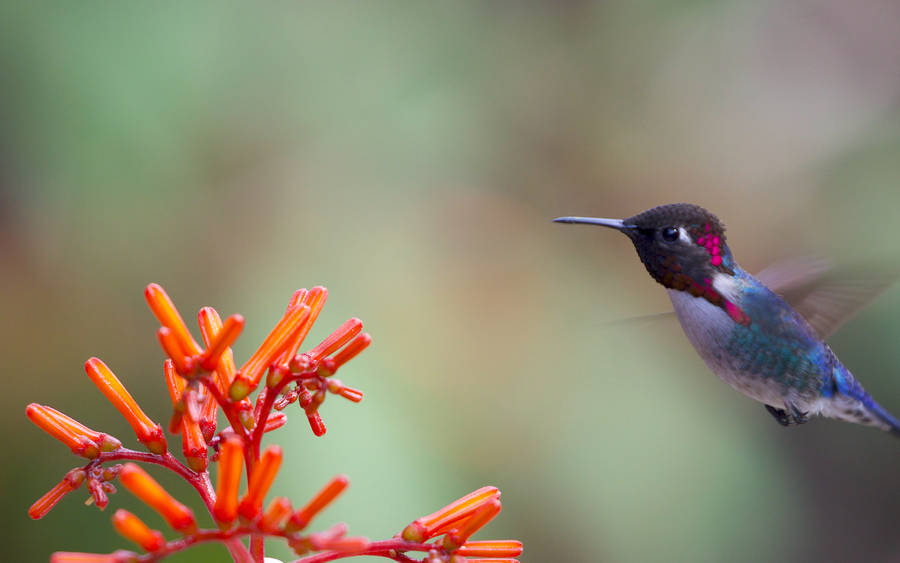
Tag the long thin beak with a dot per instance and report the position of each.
(611, 223)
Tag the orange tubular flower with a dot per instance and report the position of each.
(175, 385)
(174, 382)
(231, 460)
(428, 526)
(132, 528)
(210, 326)
(337, 387)
(81, 440)
(263, 476)
(315, 300)
(192, 440)
(298, 298)
(275, 513)
(493, 549)
(351, 394)
(148, 432)
(120, 556)
(70, 482)
(457, 537)
(174, 351)
(316, 423)
(144, 487)
(275, 421)
(274, 344)
(209, 410)
(350, 351)
(222, 342)
(323, 498)
(193, 445)
(168, 316)
(336, 339)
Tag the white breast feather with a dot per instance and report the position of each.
(708, 327)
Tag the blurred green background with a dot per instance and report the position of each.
(410, 156)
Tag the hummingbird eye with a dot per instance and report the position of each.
(669, 234)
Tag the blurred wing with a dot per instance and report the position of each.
(641, 319)
(826, 297)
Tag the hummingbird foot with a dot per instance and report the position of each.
(781, 417)
(789, 416)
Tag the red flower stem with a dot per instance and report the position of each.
(377, 549)
(238, 551)
(257, 547)
(251, 455)
(200, 481)
(272, 393)
(227, 407)
(229, 538)
(257, 542)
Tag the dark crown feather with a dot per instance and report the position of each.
(671, 214)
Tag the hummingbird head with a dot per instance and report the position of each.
(681, 245)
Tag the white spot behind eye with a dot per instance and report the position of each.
(683, 235)
(727, 286)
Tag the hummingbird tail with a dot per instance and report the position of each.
(882, 416)
(853, 404)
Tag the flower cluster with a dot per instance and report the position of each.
(204, 380)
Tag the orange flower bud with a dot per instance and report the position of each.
(174, 382)
(351, 350)
(209, 410)
(276, 375)
(301, 518)
(316, 423)
(193, 443)
(315, 300)
(428, 526)
(298, 298)
(120, 556)
(336, 339)
(148, 432)
(144, 487)
(132, 528)
(484, 514)
(231, 460)
(210, 326)
(174, 351)
(274, 344)
(81, 440)
(43, 505)
(275, 513)
(337, 387)
(494, 549)
(263, 475)
(168, 316)
(245, 413)
(222, 342)
(275, 421)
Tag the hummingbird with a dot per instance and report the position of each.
(747, 333)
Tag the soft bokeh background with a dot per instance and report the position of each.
(410, 156)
